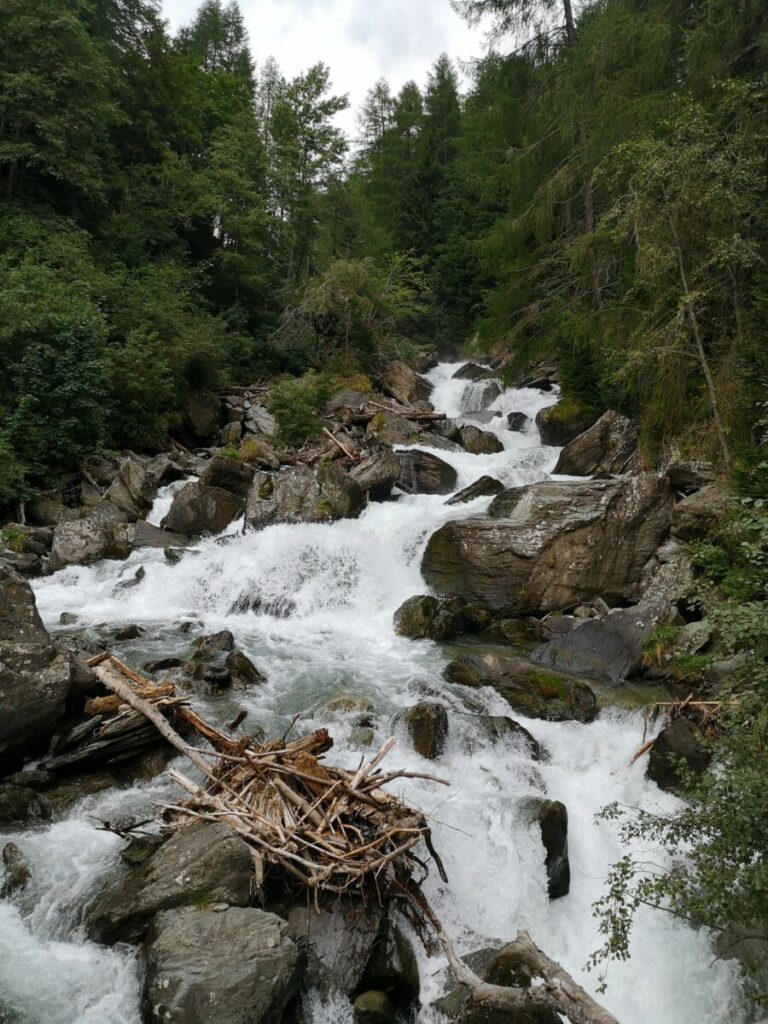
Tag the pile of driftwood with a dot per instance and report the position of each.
(324, 828)
(707, 715)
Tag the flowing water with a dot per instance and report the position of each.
(343, 583)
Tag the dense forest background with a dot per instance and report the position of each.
(175, 218)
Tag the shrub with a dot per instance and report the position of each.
(295, 405)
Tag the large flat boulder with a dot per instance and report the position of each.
(236, 966)
(610, 446)
(35, 676)
(203, 864)
(552, 545)
(527, 688)
(199, 508)
(404, 384)
(424, 473)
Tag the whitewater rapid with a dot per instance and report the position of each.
(344, 581)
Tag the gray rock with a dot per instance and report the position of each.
(561, 423)
(680, 741)
(229, 475)
(404, 384)
(198, 508)
(424, 473)
(434, 618)
(231, 434)
(378, 474)
(695, 516)
(552, 818)
(473, 371)
(35, 676)
(390, 429)
(427, 726)
(104, 533)
(259, 452)
(203, 864)
(480, 442)
(477, 397)
(482, 730)
(517, 421)
(148, 536)
(22, 806)
(527, 688)
(340, 492)
(237, 966)
(485, 487)
(259, 421)
(17, 871)
(552, 545)
(301, 495)
(447, 428)
(690, 475)
(609, 446)
(442, 444)
(132, 490)
(203, 415)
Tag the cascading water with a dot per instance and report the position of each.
(340, 585)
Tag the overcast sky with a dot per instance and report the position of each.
(361, 40)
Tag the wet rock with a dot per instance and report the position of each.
(134, 581)
(485, 487)
(228, 475)
(691, 475)
(237, 966)
(203, 864)
(148, 536)
(696, 516)
(68, 619)
(22, 806)
(473, 371)
(214, 643)
(198, 508)
(103, 533)
(480, 442)
(431, 440)
(242, 671)
(390, 429)
(131, 632)
(374, 1007)
(424, 473)
(610, 446)
(552, 818)
(478, 397)
(447, 428)
(378, 474)
(517, 421)
(552, 545)
(17, 871)
(680, 741)
(345, 704)
(527, 688)
(337, 940)
(427, 726)
(301, 495)
(393, 967)
(561, 423)
(35, 676)
(361, 737)
(487, 416)
(132, 490)
(434, 618)
(203, 415)
(485, 730)
(404, 384)
(609, 648)
(161, 665)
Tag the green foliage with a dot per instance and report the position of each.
(13, 538)
(295, 405)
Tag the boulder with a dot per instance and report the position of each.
(404, 384)
(257, 451)
(146, 535)
(301, 495)
(198, 508)
(552, 818)
(231, 434)
(203, 864)
(447, 428)
(17, 871)
(424, 473)
(259, 421)
(433, 618)
(480, 442)
(561, 423)
(390, 429)
(427, 726)
(20, 805)
(203, 414)
(527, 688)
(103, 533)
(228, 475)
(608, 648)
(517, 421)
(695, 516)
(680, 741)
(551, 545)
(479, 396)
(236, 966)
(473, 371)
(423, 362)
(430, 440)
(133, 489)
(691, 475)
(373, 1007)
(378, 474)
(35, 676)
(609, 446)
(485, 487)
(482, 730)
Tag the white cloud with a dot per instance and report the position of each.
(360, 40)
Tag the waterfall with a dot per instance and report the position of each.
(340, 585)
